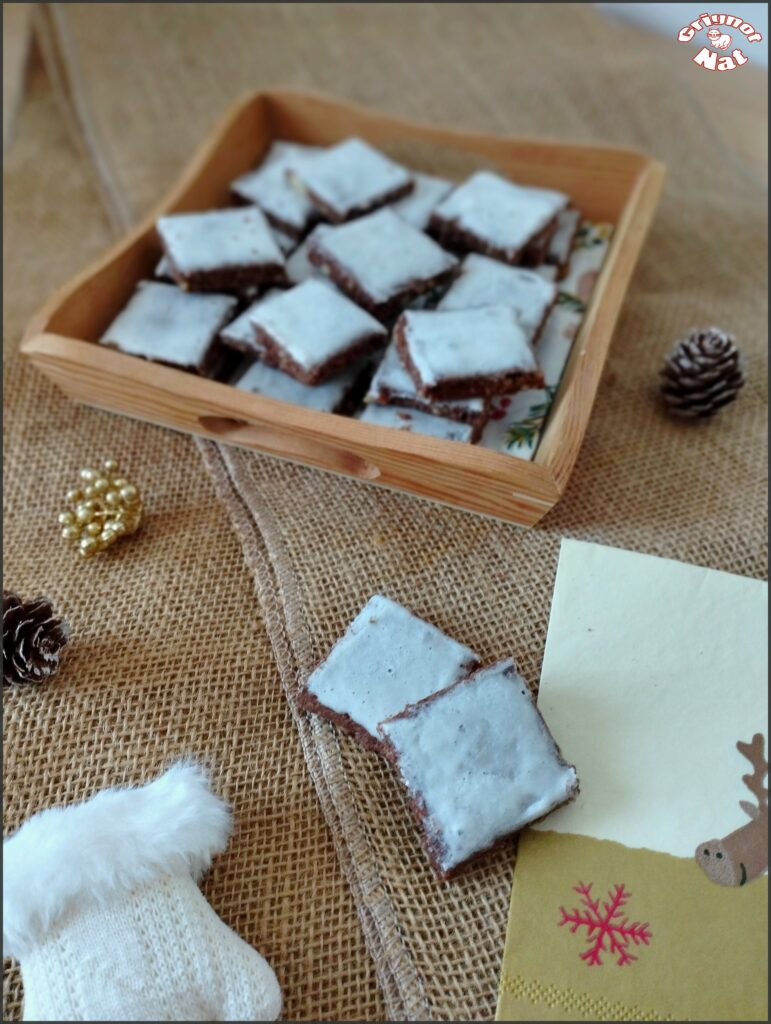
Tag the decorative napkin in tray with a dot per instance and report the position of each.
(646, 899)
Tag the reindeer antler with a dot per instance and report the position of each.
(754, 752)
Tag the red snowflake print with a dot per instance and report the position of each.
(607, 931)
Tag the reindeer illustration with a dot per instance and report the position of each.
(743, 855)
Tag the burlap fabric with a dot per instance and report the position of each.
(173, 662)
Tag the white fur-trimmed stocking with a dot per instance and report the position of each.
(102, 909)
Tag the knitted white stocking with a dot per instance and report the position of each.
(102, 909)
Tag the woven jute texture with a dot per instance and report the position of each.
(145, 83)
(169, 655)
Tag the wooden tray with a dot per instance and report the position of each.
(607, 183)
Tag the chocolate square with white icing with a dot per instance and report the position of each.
(167, 325)
(418, 205)
(337, 395)
(392, 385)
(267, 186)
(222, 250)
(466, 353)
(386, 659)
(493, 216)
(350, 179)
(240, 334)
(486, 282)
(415, 422)
(478, 763)
(381, 261)
(313, 331)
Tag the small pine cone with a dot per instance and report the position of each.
(32, 639)
(703, 373)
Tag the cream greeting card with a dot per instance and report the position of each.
(646, 898)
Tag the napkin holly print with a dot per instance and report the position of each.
(517, 421)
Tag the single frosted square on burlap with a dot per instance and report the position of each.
(167, 325)
(478, 763)
(386, 659)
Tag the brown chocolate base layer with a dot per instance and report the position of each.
(308, 701)
(450, 235)
(230, 279)
(536, 249)
(339, 217)
(273, 354)
(350, 286)
(352, 399)
(474, 386)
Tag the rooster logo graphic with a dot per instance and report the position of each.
(720, 40)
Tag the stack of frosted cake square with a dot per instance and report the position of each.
(342, 281)
(468, 742)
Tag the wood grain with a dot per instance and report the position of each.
(607, 183)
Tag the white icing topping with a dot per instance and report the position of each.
(163, 270)
(268, 187)
(298, 267)
(350, 175)
(416, 422)
(486, 282)
(466, 343)
(219, 239)
(241, 330)
(416, 207)
(264, 380)
(481, 761)
(562, 240)
(388, 658)
(313, 323)
(499, 212)
(162, 322)
(384, 253)
(392, 380)
(548, 271)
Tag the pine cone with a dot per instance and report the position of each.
(32, 639)
(703, 373)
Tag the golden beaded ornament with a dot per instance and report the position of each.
(104, 508)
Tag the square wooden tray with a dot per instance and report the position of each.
(607, 183)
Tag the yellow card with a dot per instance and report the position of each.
(646, 898)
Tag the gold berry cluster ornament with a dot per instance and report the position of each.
(103, 509)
